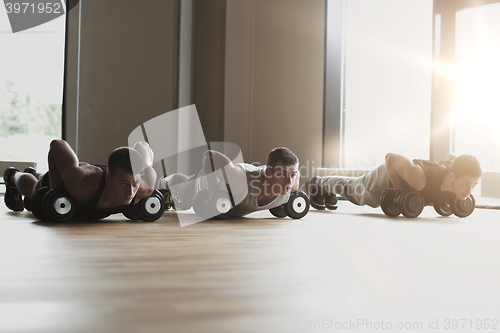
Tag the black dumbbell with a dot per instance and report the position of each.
(59, 206)
(442, 207)
(389, 203)
(36, 204)
(278, 211)
(220, 205)
(149, 209)
(44, 182)
(463, 208)
(298, 205)
(200, 204)
(129, 212)
(411, 203)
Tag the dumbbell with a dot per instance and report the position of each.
(147, 209)
(389, 203)
(442, 208)
(200, 206)
(279, 211)
(461, 208)
(59, 205)
(52, 204)
(217, 205)
(410, 203)
(36, 204)
(44, 182)
(220, 205)
(296, 207)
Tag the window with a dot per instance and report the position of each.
(476, 115)
(388, 68)
(31, 86)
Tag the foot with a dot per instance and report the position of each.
(315, 192)
(12, 198)
(331, 201)
(30, 170)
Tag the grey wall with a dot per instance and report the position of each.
(275, 77)
(125, 73)
(265, 88)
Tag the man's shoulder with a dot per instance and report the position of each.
(251, 168)
(86, 183)
(432, 164)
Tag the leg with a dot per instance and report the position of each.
(364, 190)
(24, 182)
(17, 184)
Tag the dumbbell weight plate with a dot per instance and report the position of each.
(442, 208)
(411, 204)
(59, 205)
(279, 211)
(220, 205)
(463, 208)
(151, 208)
(36, 204)
(129, 212)
(298, 205)
(389, 207)
(200, 204)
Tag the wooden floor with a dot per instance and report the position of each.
(350, 268)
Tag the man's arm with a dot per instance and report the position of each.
(402, 169)
(236, 176)
(148, 175)
(66, 172)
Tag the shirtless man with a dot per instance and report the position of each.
(98, 193)
(268, 185)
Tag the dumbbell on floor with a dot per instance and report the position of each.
(217, 205)
(461, 208)
(296, 207)
(410, 203)
(52, 204)
(147, 209)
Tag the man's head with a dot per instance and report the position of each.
(464, 173)
(124, 173)
(282, 170)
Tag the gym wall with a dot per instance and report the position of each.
(123, 70)
(120, 71)
(275, 77)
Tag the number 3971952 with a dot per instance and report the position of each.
(33, 8)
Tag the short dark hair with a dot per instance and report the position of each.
(281, 154)
(126, 159)
(465, 165)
